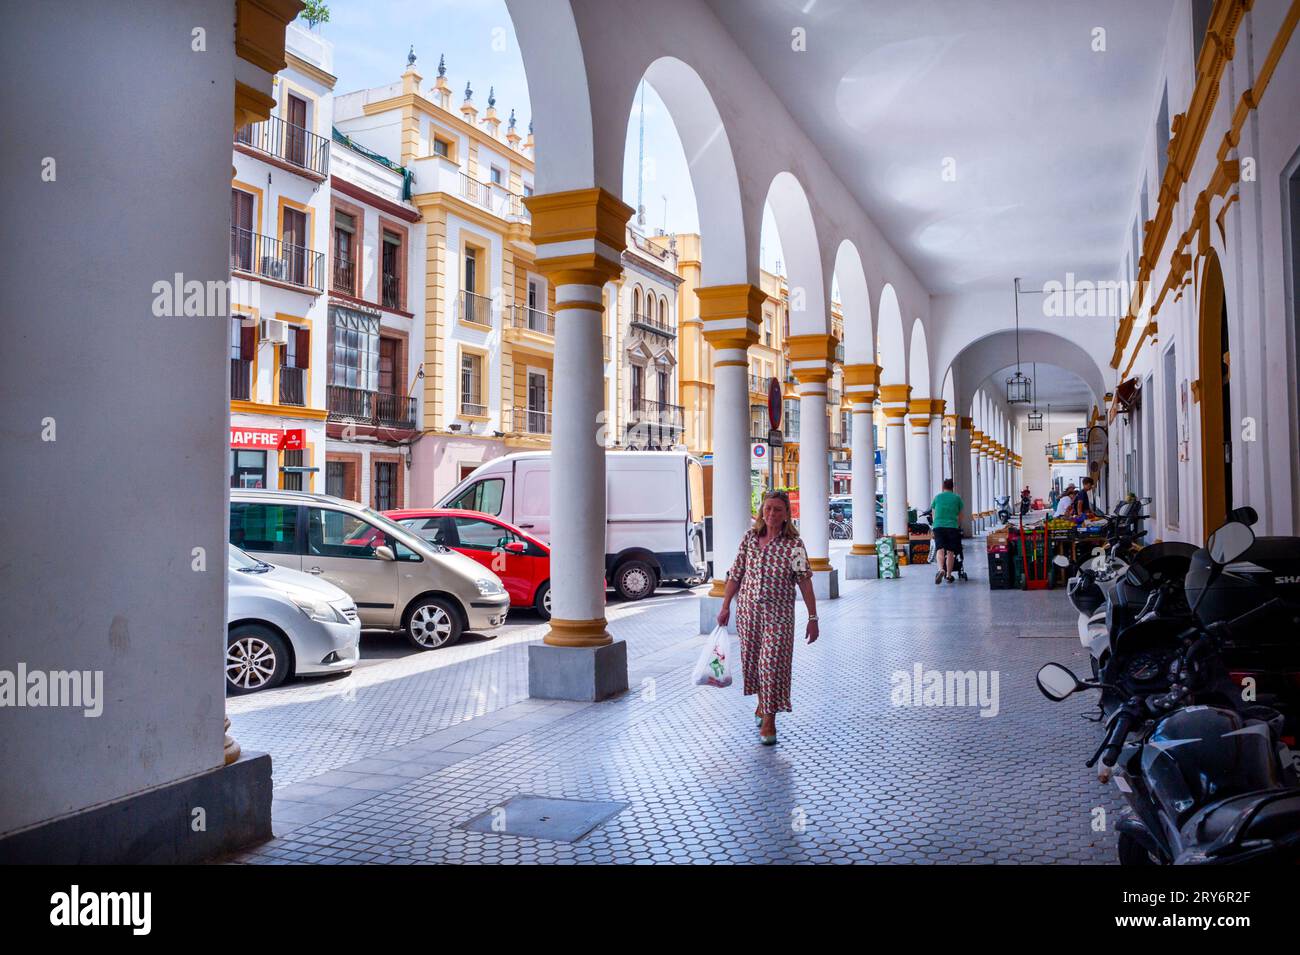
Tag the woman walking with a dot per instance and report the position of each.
(769, 565)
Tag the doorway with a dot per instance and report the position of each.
(1215, 399)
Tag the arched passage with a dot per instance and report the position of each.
(860, 378)
(891, 348)
(1215, 397)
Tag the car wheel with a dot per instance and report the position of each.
(432, 623)
(256, 659)
(635, 580)
(542, 602)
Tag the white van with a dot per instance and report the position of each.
(654, 523)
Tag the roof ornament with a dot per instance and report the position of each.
(442, 64)
(410, 57)
(492, 96)
(512, 119)
(469, 93)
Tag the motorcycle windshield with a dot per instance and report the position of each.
(1200, 754)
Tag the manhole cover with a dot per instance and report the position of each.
(541, 817)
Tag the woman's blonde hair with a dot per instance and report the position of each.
(788, 528)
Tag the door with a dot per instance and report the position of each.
(537, 423)
(241, 230)
(296, 135)
(533, 497)
(485, 541)
(388, 366)
(294, 250)
(269, 532)
(1215, 400)
(341, 548)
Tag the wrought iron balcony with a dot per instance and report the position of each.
(343, 275)
(476, 309)
(470, 406)
(273, 259)
(375, 408)
(293, 385)
(653, 424)
(533, 319)
(289, 143)
(528, 421)
(643, 321)
(241, 379)
(391, 291)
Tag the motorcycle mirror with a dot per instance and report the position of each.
(1057, 682)
(1243, 515)
(1060, 560)
(1229, 542)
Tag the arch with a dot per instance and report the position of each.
(562, 126)
(724, 258)
(890, 345)
(1215, 398)
(918, 363)
(855, 301)
(637, 310)
(794, 223)
(663, 309)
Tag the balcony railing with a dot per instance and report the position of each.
(758, 384)
(641, 320)
(832, 396)
(343, 275)
(290, 143)
(653, 424)
(273, 259)
(241, 379)
(533, 319)
(834, 439)
(479, 193)
(469, 405)
(391, 291)
(528, 421)
(758, 429)
(361, 406)
(494, 197)
(293, 385)
(476, 309)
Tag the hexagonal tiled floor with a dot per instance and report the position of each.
(855, 778)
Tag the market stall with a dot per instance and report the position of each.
(1020, 553)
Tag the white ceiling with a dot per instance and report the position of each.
(1046, 134)
(1063, 390)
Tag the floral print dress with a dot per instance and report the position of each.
(765, 615)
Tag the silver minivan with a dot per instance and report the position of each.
(398, 580)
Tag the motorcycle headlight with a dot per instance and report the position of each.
(489, 588)
(318, 610)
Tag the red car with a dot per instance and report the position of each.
(521, 560)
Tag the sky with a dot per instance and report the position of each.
(371, 39)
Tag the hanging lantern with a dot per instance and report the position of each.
(1019, 389)
(1035, 421)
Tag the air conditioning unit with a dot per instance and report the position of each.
(274, 268)
(275, 331)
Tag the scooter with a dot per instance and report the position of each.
(1206, 774)
(1004, 509)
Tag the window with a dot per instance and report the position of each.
(247, 469)
(482, 496)
(471, 269)
(291, 480)
(241, 230)
(389, 352)
(480, 535)
(293, 367)
(471, 384)
(270, 528)
(336, 479)
(441, 147)
(354, 349)
(1162, 133)
(294, 246)
(498, 177)
(243, 348)
(296, 134)
(344, 272)
(431, 529)
(636, 373)
(528, 189)
(385, 486)
(391, 293)
(1172, 437)
(337, 534)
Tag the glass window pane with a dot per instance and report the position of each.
(264, 527)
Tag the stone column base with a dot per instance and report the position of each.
(154, 827)
(709, 607)
(826, 584)
(585, 674)
(861, 567)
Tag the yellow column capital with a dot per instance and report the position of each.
(732, 314)
(593, 220)
(811, 356)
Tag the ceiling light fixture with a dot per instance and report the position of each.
(1018, 385)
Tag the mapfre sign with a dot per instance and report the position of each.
(268, 439)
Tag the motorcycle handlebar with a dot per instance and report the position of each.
(1115, 739)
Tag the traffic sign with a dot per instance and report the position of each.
(775, 439)
(774, 401)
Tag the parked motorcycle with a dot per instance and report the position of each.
(1206, 774)
(1004, 508)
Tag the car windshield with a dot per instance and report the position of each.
(404, 534)
(236, 559)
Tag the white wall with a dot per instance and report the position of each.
(107, 515)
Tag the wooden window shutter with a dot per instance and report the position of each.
(302, 347)
(247, 342)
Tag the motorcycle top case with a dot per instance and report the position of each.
(1271, 568)
(1201, 754)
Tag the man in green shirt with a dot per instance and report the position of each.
(947, 508)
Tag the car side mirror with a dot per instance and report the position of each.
(384, 552)
(516, 547)
(1229, 542)
(1057, 682)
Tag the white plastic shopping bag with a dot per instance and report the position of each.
(713, 668)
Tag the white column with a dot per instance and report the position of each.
(894, 399)
(577, 468)
(919, 494)
(860, 388)
(936, 447)
(814, 473)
